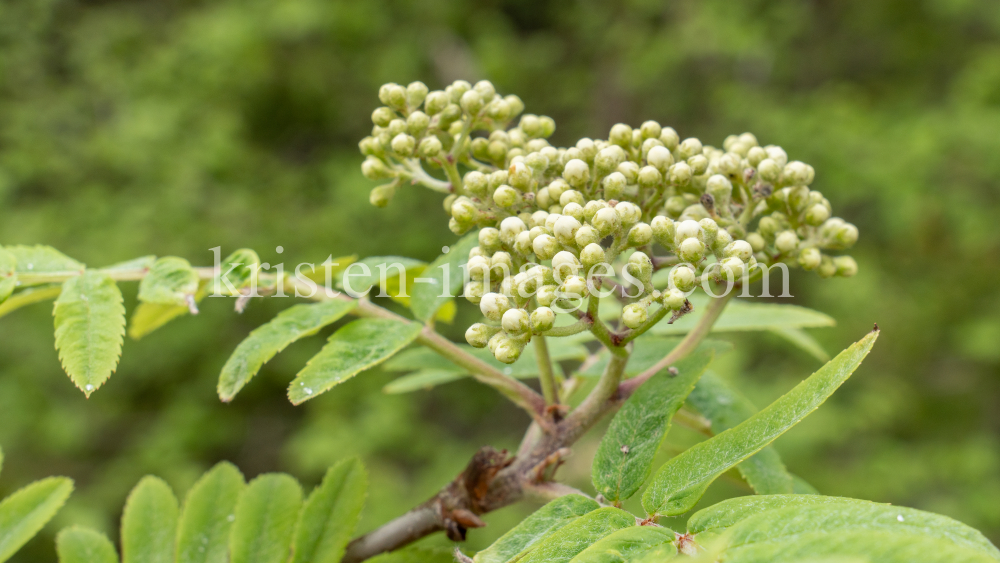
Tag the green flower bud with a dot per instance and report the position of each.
(537, 162)
(515, 322)
(545, 247)
(530, 125)
(799, 173)
(634, 315)
(757, 242)
(417, 122)
(477, 267)
(798, 198)
(621, 135)
(497, 151)
(576, 172)
(474, 182)
(768, 227)
(571, 196)
(448, 116)
(710, 229)
(630, 170)
(519, 176)
(683, 279)
(479, 334)
(464, 211)
(392, 95)
(640, 235)
(574, 210)
(474, 291)
(501, 265)
(660, 158)
(515, 103)
(680, 174)
(608, 159)
(498, 110)
(690, 147)
(542, 319)
(817, 214)
(489, 239)
(640, 266)
(756, 155)
(769, 171)
(505, 196)
(827, 269)
(720, 188)
(651, 130)
(565, 264)
(675, 205)
(416, 92)
(614, 185)
(732, 268)
(383, 116)
(846, 266)
(403, 145)
(592, 255)
(628, 213)
(458, 227)
(737, 231)
(691, 250)
(698, 164)
(573, 287)
(722, 240)
(435, 102)
(510, 228)
(810, 258)
(786, 242)
(375, 169)
(472, 102)
(730, 164)
(740, 249)
(508, 351)
(522, 243)
(674, 299)
(565, 229)
(606, 221)
(592, 207)
(380, 196)
(847, 235)
(546, 126)
(649, 177)
(586, 236)
(546, 295)
(493, 306)
(663, 229)
(550, 221)
(430, 147)
(669, 138)
(687, 230)
(495, 341)
(457, 89)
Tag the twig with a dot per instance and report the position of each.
(545, 375)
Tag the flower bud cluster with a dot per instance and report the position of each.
(552, 221)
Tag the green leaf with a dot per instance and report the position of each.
(649, 349)
(203, 534)
(740, 315)
(90, 326)
(416, 555)
(444, 277)
(625, 457)
(803, 341)
(357, 346)
(681, 481)
(627, 543)
(331, 514)
(265, 520)
(545, 521)
(82, 545)
(149, 523)
(267, 340)
(360, 282)
(847, 515)
(141, 263)
(237, 271)
(732, 511)
(35, 262)
(24, 513)
(564, 544)
(724, 407)
(422, 380)
(29, 296)
(148, 317)
(802, 487)
(874, 546)
(8, 274)
(171, 281)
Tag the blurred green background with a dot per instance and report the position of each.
(170, 127)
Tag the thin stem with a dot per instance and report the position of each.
(600, 330)
(545, 375)
(451, 170)
(655, 318)
(600, 398)
(686, 346)
(420, 176)
(582, 325)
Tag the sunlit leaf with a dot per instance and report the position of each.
(874, 546)
(171, 281)
(543, 522)
(566, 543)
(82, 545)
(24, 513)
(90, 326)
(34, 263)
(442, 280)
(626, 543)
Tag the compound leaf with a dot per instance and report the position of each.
(8, 274)
(741, 316)
(37, 261)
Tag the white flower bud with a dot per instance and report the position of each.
(501, 265)
(586, 235)
(471, 102)
(592, 255)
(392, 95)
(698, 164)
(817, 214)
(505, 196)
(545, 247)
(565, 264)
(690, 147)
(435, 102)
(403, 145)
(542, 319)
(573, 210)
(474, 291)
(650, 130)
(786, 242)
(478, 266)
(630, 170)
(640, 266)
(463, 210)
(768, 170)
(682, 278)
(756, 241)
(565, 229)
(686, 230)
(669, 138)
(522, 244)
(550, 221)
(383, 116)
(847, 235)
(680, 173)
(574, 287)
(649, 177)
(710, 229)
(628, 213)
(777, 154)
(519, 176)
(732, 268)
(621, 135)
(479, 334)
(430, 147)
(576, 172)
(571, 196)
(640, 235)
(674, 299)
(691, 250)
(605, 221)
(634, 315)
(375, 169)
(846, 266)
(663, 230)
(510, 228)
(798, 173)
(416, 92)
(494, 305)
(756, 155)
(417, 122)
(546, 295)
(722, 239)
(515, 321)
(660, 158)
(740, 249)
(489, 239)
(608, 159)
(614, 185)
(810, 258)
(720, 188)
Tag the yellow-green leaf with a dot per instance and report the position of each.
(29, 296)
(8, 274)
(330, 514)
(237, 271)
(24, 513)
(82, 545)
(90, 326)
(170, 281)
(149, 523)
(148, 317)
(803, 341)
(740, 315)
(564, 544)
(209, 509)
(543, 522)
(626, 543)
(265, 520)
(442, 280)
(36, 264)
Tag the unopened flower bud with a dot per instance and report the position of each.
(571, 196)
(565, 264)
(471, 102)
(489, 239)
(608, 159)
(508, 351)
(392, 95)
(545, 247)
(621, 135)
(519, 176)
(640, 235)
(757, 242)
(674, 299)
(380, 196)
(720, 188)
(817, 214)
(756, 155)
(810, 258)
(640, 266)
(847, 235)
(546, 295)
(403, 145)
(682, 278)
(565, 229)
(477, 267)
(660, 158)
(690, 147)
(592, 255)
(375, 169)
(542, 319)
(768, 227)
(732, 268)
(383, 116)
(722, 239)
(663, 230)
(501, 265)
(846, 266)
(573, 287)
(786, 242)
(740, 249)
(586, 235)
(680, 174)
(505, 196)
(691, 250)
(479, 334)
(710, 229)
(630, 170)
(606, 221)
(474, 291)
(686, 230)
(493, 306)
(515, 321)
(475, 182)
(614, 185)
(768, 170)
(649, 177)
(576, 172)
(669, 138)
(628, 213)
(798, 173)
(430, 147)
(522, 243)
(634, 315)
(698, 164)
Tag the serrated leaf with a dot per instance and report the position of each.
(236, 271)
(624, 544)
(36, 262)
(141, 263)
(148, 317)
(624, 458)
(29, 296)
(875, 546)
(725, 407)
(444, 277)
(416, 555)
(8, 274)
(566, 543)
(543, 522)
(803, 341)
(331, 514)
(209, 509)
(267, 340)
(376, 272)
(681, 481)
(732, 511)
(24, 513)
(740, 315)
(357, 346)
(82, 545)
(149, 523)
(848, 515)
(649, 349)
(265, 520)
(170, 281)
(90, 326)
